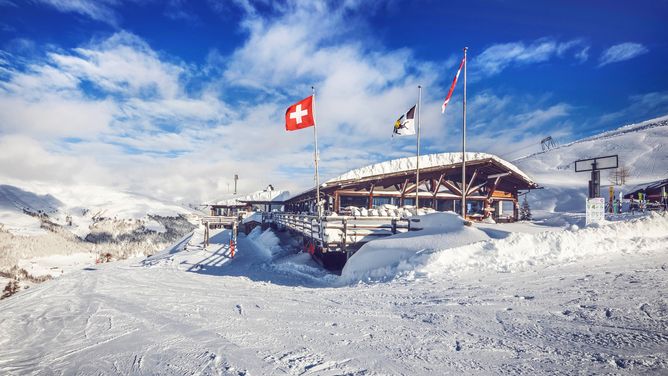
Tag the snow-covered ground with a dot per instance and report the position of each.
(566, 301)
(540, 297)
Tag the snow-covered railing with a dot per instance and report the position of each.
(219, 219)
(340, 232)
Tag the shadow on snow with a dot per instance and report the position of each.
(287, 267)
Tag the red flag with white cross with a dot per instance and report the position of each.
(300, 115)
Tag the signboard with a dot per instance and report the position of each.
(598, 163)
(595, 212)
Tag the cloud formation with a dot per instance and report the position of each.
(99, 10)
(498, 57)
(118, 112)
(621, 52)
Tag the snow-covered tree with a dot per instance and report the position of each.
(525, 210)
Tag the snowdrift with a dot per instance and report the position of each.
(383, 258)
(462, 249)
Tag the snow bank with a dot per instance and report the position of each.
(384, 258)
(267, 243)
(446, 247)
(521, 251)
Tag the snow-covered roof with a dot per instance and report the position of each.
(650, 185)
(267, 195)
(426, 161)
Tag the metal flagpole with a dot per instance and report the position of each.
(417, 161)
(315, 158)
(464, 142)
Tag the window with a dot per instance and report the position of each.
(426, 203)
(359, 201)
(474, 207)
(446, 205)
(506, 208)
(378, 201)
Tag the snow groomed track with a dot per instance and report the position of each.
(269, 311)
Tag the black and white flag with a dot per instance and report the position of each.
(405, 125)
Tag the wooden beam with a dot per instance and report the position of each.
(475, 175)
(494, 185)
(473, 189)
(438, 184)
(452, 187)
(410, 188)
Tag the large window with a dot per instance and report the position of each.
(359, 201)
(426, 202)
(506, 208)
(446, 205)
(378, 201)
(409, 201)
(474, 207)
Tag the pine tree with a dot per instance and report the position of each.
(525, 210)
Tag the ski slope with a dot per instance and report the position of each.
(641, 147)
(193, 310)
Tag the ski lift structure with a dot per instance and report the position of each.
(548, 143)
(595, 165)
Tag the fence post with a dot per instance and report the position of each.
(344, 244)
(394, 225)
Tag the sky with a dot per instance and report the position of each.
(173, 98)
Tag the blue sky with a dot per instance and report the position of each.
(172, 98)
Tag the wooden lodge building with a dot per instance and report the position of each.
(492, 186)
(266, 200)
(653, 191)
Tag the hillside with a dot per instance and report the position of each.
(641, 148)
(48, 230)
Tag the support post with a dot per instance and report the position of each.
(464, 142)
(316, 157)
(417, 160)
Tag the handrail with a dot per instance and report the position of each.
(339, 232)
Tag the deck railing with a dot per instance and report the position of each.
(341, 232)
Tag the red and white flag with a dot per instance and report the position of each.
(452, 88)
(300, 115)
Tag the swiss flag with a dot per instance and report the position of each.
(300, 115)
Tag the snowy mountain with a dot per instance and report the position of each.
(642, 149)
(46, 230)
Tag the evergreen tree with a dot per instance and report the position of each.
(525, 210)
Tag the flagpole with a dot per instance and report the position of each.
(464, 142)
(417, 160)
(315, 158)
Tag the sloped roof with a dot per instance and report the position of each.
(267, 195)
(649, 186)
(426, 161)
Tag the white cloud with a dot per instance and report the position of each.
(143, 129)
(498, 57)
(582, 55)
(640, 107)
(621, 52)
(53, 116)
(99, 10)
